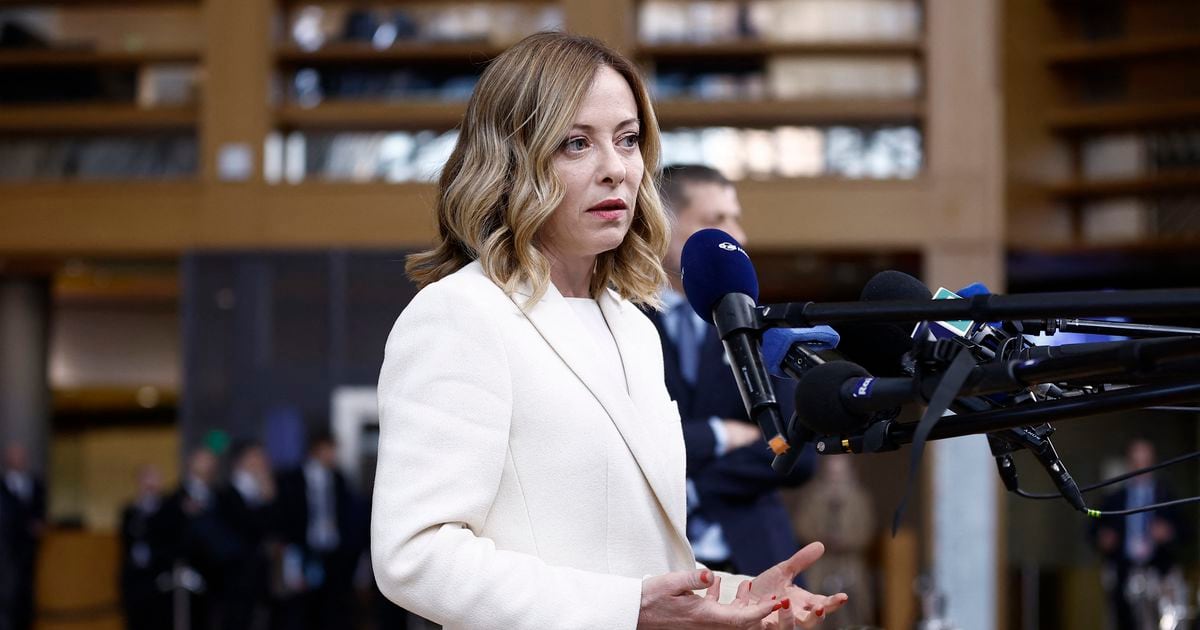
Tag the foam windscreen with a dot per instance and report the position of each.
(715, 265)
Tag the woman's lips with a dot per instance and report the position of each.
(608, 210)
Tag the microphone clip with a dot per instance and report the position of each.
(1036, 440)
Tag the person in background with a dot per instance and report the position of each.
(322, 527)
(846, 524)
(1143, 542)
(204, 545)
(147, 555)
(736, 518)
(23, 508)
(246, 507)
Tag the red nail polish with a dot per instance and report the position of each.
(704, 576)
(749, 586)
(787, 603)
(820, 613)
(774, 596)
(777, 607)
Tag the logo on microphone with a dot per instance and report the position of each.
(864, 387)
(732, 247)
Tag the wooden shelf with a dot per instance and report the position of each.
(91, 58)
(88, 117)
(1185, 244)
(1149, 185)
(766, 113)
(1123, 116)
(373, 115)
(293, 3)
(112, 399)
(761, 48)
(1122, 50)
(52, 4)
(156, 218)
(360, 53)
(682, 113)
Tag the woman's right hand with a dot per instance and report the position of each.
(668, 602)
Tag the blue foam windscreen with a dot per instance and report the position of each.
(975, 288)
(714, 265)
(777, 341)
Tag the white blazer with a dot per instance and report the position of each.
(519, 485)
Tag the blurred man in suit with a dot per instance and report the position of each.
(247, 509)
(324, 526)
(147, 553)
(1138, 542)
(23, 514)
(204, 544)
(736, 518)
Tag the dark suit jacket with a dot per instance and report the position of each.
(738, 490)
(1164, 556)
(157, 537)
(203, 540)
(292, 509)
(18, 520)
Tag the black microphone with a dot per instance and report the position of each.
(839, 397)
(880, 347)
(722, 287)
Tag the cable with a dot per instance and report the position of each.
(1109, 482)
(1145, 508)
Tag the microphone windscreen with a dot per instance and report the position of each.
(777, 341)
(818, 399)
(880, 347)
(973, 289)
(894, 285)
(714, 265)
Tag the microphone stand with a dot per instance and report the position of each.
(987, 307)
(889, 435)
(1101, 327)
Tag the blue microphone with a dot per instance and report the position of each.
(722, 287)
(793, 351)
(714, 265)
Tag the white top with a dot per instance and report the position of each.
(608, 357)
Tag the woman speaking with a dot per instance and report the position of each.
(531, 464)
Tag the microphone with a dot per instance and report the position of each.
(880, 347)
(722, 287)
(840, 397)
(793, 351)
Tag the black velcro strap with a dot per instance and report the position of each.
(947, 389)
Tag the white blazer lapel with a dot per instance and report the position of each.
(642, 443)
(557, 323)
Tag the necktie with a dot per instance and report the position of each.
(687, 343)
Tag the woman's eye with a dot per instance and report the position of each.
(631, 140)
(575, 144)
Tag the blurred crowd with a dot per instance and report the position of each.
(253, 549)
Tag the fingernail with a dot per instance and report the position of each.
(704, 576)
(787, 603)
(820, 612)
(750, 586)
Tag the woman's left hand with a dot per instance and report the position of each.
(777, 582)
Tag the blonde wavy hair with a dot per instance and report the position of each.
(499, 186)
